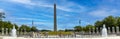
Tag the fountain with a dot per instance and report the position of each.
(104, 31)
(13, 32)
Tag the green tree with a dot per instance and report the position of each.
(16, 26)
(44, 30)
(25, 27)
(118, 21)
(98, 23)
(78, 28)
(34, 29)
(87, 28)
(61, 30)
(7, 24)
(110, 21)
(69, 30)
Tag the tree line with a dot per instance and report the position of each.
(9, 25)
(109, 21)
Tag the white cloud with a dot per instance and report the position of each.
(58, 16)
(29, 2)
(30, 19)
(1, 10)
(106, 8)
(70, 6)
(64, 6)
(67, 15)
(103, 12)
(23, 20)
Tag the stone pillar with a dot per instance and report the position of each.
(97, 31)
(21, 32)
(2, 31)
(6, 31)
(113, 30)
(74, 34)
(18, 31)
(33, 34)
(101, 30)
(109, 31)
(46, 34)
(89, 30)
(93, 31)
(117, 30)
(10, 31)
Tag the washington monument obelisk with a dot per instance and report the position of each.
(55, 17)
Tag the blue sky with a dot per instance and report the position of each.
(69, 12)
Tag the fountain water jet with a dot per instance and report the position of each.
(13, 32)
(104, 31)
